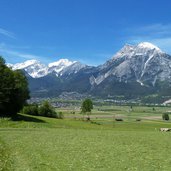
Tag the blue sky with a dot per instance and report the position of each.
(89, 31)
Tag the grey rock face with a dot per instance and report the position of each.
(142, 63)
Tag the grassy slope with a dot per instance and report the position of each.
(50, 144)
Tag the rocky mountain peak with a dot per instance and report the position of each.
(24, 64)
(36, 69)
(61, 62)
(149, 46)
(126, 50)
(143, 62)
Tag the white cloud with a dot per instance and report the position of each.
(12, 54)
(21, 55)
(7, 33)
(154, 30)
(157, 28)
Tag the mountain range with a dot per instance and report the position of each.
(134, 71)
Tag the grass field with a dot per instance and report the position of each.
(38, 143)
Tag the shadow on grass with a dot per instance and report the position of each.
(20, 117)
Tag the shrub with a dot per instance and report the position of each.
(60, 115)
(30, 110)
(165, 116)
(47, 110)
(118, 119)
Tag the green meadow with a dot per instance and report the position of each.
(73, 144)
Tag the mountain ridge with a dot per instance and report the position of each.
(135, 70)
(36, 69)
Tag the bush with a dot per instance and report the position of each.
(45, 109)
(118, 119)
(165, 116)
(30, 110)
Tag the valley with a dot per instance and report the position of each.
(85, 85)
(40, 143)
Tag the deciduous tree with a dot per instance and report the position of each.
(87, 106)
(13, 90)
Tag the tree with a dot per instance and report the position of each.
(6, 88)
(20, 92)
(87, 106)
(165, 116)
(13, 90)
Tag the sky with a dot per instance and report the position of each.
(89, 31)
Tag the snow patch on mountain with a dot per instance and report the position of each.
(60, 65)
(24, 64)
(138, 81)
(72, 69)
(146, 63)
(147, 45)
(33, 67)
(61, 62)
(36, 69)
